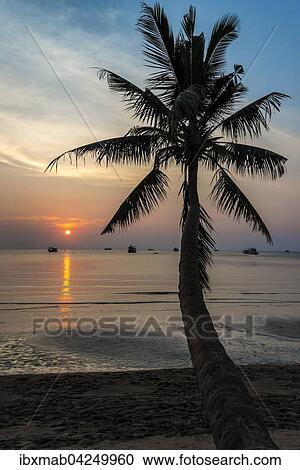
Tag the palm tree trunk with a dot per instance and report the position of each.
(234, 422)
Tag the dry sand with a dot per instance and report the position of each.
(159, 409)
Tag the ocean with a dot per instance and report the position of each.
(111, 311)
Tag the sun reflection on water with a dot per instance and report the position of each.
(66, 296)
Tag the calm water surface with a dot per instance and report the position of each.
(100, 310)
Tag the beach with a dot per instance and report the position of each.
(157, 409)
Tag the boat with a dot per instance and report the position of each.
(108, 249)
(287, 251)
(131, 249)
(52, 249)
(150, 249)
(250, 251)
(175, 249)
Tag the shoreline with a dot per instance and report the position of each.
(158, 409)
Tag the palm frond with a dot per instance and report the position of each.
(166, 155)
(224, 32)
(147, 130)
(230, 200)
(248, 160)
(223, 94)
(159, 49)
(187, 104)
(188, 22)
(130, 149)
(182, 63)
(251, 119)
(198, 66)
(145, 197)
(188, 26)
(159, 135)
(184, 190)
(145, 105)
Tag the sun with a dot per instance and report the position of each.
(67, 233)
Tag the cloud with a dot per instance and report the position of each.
(54, 221)
(38, 119)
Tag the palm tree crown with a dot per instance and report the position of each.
(189, 114)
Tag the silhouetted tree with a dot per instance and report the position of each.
(189, 116)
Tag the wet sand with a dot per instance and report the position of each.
(158, 409)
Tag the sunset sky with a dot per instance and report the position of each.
(39, 121)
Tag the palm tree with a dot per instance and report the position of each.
(189, 115)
